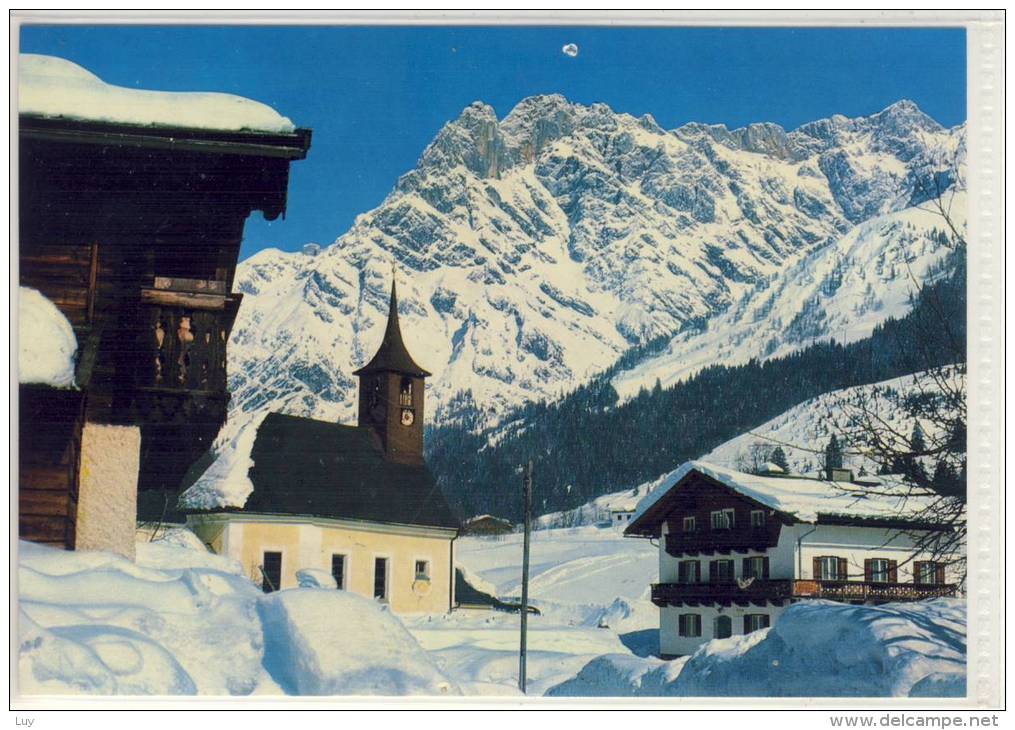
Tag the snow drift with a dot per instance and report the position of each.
(320, 642)
(816, 649)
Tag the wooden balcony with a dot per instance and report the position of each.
(722, 542)
(760, 592)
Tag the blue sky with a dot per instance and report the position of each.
(376, 96)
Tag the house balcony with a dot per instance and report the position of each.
(722, 542)
(760, 592)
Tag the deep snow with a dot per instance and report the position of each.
(815, 649)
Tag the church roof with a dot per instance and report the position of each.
(304, 467)
(392, 356)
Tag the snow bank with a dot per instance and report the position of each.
(95, 623)
(322, 642)
(54, 87)
(46, 342)
(314, 578)
(226, 483)
(816, 649)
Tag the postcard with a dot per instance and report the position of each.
(499, 362)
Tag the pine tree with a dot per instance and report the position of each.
(778, 458)
(833, 455)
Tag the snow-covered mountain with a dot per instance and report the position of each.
(534, 250)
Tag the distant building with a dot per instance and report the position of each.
(735, 549)
(131, 214)
(487, 525)
(311, 249)
(358, 501)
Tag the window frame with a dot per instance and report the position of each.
(416, 576)
(763, 564)
(682, 625)
(386, 597)
(759, 524)
(691, 520)
(837, 576)
(749, 618)
(713, 576)
(345, 570)
(264, 571)
(697, 571)
(715, 626)
(921, 565)
(723, 513)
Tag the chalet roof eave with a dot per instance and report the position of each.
(289, 146)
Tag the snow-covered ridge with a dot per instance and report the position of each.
(535, 249)
(54, 87)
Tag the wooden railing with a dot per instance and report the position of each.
(780, 590)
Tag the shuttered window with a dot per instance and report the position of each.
(830, 567)
(689, 624)
(688, 571)
(880, 570)
(755, 622)
(928, 572)
(720, 571)
(756, 567)
(271, 572)
(338, 570)
(722, 627)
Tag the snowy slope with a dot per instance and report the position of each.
(535, 249)
(803, 431)
(839, 292)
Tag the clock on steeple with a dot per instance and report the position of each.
(391, 394)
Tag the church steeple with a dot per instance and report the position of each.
(392, 355)
(391, 393)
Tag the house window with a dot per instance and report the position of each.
(829, 567)
(723, 627)
(689, 624)
(756, 567)
(271, 572)
(755, 622)
(722, 519)
(720, 571)
(757, 518)
(381, 578)
(928, 573)
(422, 570)
(880, 570)
(338, 570)
(690, 524)
(688, 571)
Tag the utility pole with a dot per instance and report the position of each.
(527, 506)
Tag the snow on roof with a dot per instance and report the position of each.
(54, 87)
(46, 342)
(226, 482)
(804, 499)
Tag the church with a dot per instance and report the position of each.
(356, 502)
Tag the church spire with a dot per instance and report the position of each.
(392, 356)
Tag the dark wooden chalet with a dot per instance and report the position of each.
(134, 233)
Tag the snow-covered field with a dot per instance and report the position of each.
(183, 621)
